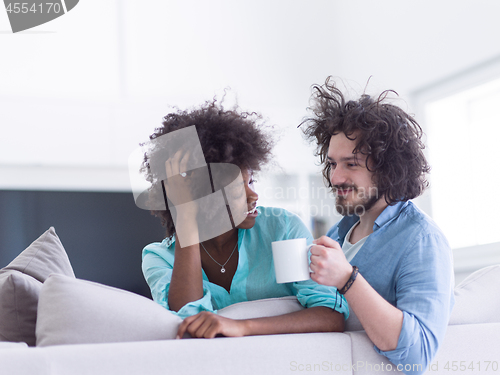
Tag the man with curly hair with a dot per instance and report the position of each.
(194, 279)
(389, 259)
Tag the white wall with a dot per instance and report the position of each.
(117, 64)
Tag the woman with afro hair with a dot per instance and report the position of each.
(211, 273)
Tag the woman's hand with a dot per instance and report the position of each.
(329, 265)
(178, 186)
(208, 325)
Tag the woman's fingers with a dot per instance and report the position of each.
(177, 163)
(183, 163)
(208, 325)
(198, 325)
(183, 327)
(207, 329)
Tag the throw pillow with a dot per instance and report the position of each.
(74, 311)
(476, 298)
(20, 284)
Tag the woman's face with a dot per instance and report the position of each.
(251, 200)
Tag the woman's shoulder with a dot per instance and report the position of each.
(164, 249)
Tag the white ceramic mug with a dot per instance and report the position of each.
(291, 260)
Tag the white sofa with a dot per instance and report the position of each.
(88, 328)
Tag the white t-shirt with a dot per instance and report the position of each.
(349, 249)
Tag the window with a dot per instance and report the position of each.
(462, 125)
(463, 138)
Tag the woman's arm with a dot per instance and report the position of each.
(314, 319)
(186, 284)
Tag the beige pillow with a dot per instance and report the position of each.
(476, 298)
(20, 284)
(74, 311)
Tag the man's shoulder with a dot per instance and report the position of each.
(413, 216)
(416, 229)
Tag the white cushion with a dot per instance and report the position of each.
(10, 345)
(477, 298)
(73, 311)
(20, 284)
(261, 308)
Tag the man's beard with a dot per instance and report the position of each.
(358, 207)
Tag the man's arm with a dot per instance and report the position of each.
(314, 319)
(381, 320)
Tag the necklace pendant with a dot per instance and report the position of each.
(222, 270)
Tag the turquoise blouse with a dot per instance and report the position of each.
(254, 278)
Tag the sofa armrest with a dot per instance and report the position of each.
(273, 355)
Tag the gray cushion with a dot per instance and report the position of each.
(74, 311)
(20, 284)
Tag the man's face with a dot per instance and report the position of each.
(352, 182)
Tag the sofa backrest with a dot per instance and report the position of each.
(477, 298)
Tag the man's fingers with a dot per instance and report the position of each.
(317, 251)
(327, 242)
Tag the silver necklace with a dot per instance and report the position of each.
(222, 270)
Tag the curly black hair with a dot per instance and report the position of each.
(226, 136)
(385, 133)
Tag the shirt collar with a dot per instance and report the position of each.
(389, 213)
(345, 224)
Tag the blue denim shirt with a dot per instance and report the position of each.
(408, 261)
